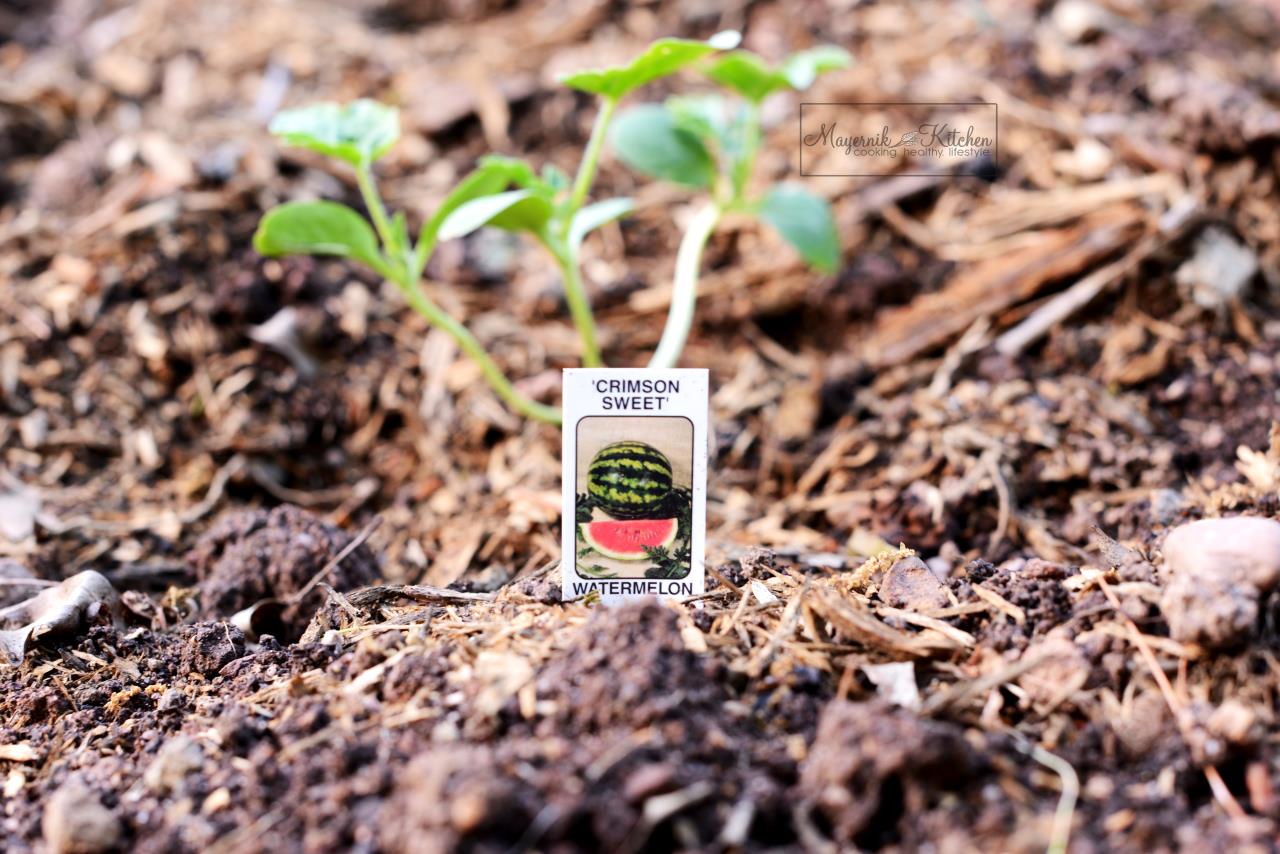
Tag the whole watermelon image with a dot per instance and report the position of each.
(629, 480)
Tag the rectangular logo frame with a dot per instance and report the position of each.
(899, 131)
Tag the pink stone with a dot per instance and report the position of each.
(1239, 549)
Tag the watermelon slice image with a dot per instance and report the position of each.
(627, 540)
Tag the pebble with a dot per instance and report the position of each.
(911, 585)
(1141, 724)
(1217, 571)
(1214, 612)
(1063, 670)
(76, 822)
(1240, 548)
(1078, 20)
(171, 700)
(179, 758)
(648, 780)
(1234, 722)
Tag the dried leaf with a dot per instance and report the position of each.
(20, 752)
(18, 512)
(1112, 552)
(65, 608)
(895, 682)
(260, 618)
(1262, 468)
(501, 675)
(856, 622)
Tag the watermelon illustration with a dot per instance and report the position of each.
(629, 480)
(628, 540)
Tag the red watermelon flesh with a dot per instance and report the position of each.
(627, 539)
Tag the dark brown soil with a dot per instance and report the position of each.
(255, 555)
(146, 434)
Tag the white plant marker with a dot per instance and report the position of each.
(635, 458)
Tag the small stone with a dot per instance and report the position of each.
(652, 778)
(911, 585)
(1219, 272)
(1166, 504)
(76, 822)
(18, 511)
(1079, 20)
(1213, 611)
(1062, 671)
(1234, 722)
(1218, 571)
(469, 810)
(171, 700)
(940, 567)
(33, 429)
(129, 75)
(176, 760)
(1142, 724)
(1240, 548)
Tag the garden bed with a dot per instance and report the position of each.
(935, 393)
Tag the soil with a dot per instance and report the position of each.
(429, 690)
(279, 554)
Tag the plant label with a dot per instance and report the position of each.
(635, 482)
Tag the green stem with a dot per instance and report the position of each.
(422, 304)
(377, 212)
(579, 306)
(684, 288)
(590, 160)
(567, 256)
(750, 147)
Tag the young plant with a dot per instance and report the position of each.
(710, 143)
(502, 193)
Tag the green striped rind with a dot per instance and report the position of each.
(629, 480)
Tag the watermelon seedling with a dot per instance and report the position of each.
(630, 540)
(501, 192)
(630, 480)
(703, 142)
(710, 143)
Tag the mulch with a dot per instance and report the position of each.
(1015, 386)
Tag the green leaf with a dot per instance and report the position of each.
(754, 79)
(593, 216)
(359, 132)
(802, 68)
(493, 175)
(747, 74)
(516, 171)
(555, 178)
(531, 214)
(804, 220)
(649, 139)
(663, 57)
(701, 115)
(515, 210)
(318, 228)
